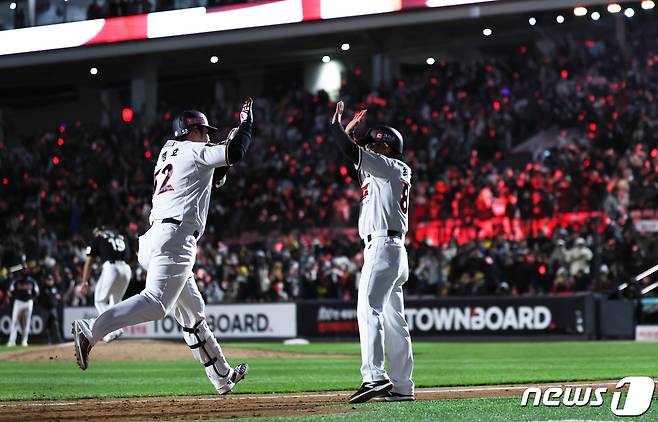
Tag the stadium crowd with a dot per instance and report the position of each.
(464, 124)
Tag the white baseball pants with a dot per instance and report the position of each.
(380, 312)
(112, 284)
(168, 252)
(21, 315)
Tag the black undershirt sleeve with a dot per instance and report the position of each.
(239, 145)
(345, 142)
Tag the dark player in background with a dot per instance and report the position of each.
(23, 290)
(113, 250)
(50, 301)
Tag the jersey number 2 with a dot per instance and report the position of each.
(404, 198)
(164, 187)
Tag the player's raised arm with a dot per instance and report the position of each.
(341, 137)
(220, 155)
(239, 144)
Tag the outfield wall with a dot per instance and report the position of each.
(574, 317)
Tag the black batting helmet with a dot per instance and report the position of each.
(385, 134)
(184, 121)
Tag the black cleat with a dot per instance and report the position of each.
(369, 390)
(391, 397)
(237, 374)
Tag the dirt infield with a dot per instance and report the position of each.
(203, 407)
(228, 407)
(126, 350)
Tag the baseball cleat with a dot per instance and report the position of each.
(370, 390)
(235, 376)
(82, 344)
(391, 397)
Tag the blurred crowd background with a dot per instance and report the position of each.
(505, 149)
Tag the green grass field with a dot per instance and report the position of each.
(436, 364)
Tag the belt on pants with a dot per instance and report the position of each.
(381, 233)
(178, 223)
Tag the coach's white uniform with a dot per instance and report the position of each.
(385, 188)
(181, 191)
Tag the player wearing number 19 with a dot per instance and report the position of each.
(114, 252)
(181, 197)
(385, 184)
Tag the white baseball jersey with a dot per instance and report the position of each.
(182, 181)
(385, 187)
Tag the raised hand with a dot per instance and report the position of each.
(247, 113)
(340, 107)
(352, 125)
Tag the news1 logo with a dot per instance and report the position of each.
(638, 397)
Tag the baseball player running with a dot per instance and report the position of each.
(23, 289)
(113, 250)
(181, 196)
(385, 185)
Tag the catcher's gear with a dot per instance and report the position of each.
(385, 134)
(189, 118)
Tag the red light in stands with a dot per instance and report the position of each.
(343, 171)
(564, 74)
(60, 142)
(592, 127)
(523, 49)
(43, 194)
(586, 162)
(348, 180)
(542, 269)
(127, 114)
(147, 154)
(5, 181)
(58, 199)
(357, 72)
(55, 160)
(62, 127)
(167, 115)
(654, 153)
(496, 105)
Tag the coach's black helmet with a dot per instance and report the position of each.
(189, 118)
(385, 134)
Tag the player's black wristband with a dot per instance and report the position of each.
(345, 142)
